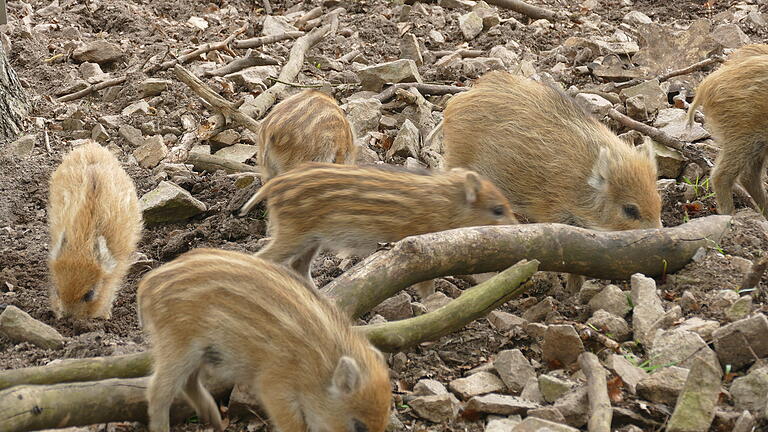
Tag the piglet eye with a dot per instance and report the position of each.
(88, 296)
(498, 210)
(359, 426)
(631, 211)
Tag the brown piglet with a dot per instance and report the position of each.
(735, 102)
(95, 223)
(352, 208)
(307, 127)
(258, 323)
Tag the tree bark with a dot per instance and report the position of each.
(14, 105)
(560, 248)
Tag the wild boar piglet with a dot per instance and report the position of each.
(259, 324)
(94, 224)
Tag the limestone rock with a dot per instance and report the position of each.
(533, 424)
(647, 307)
(153, 86)
(476, 384)
(438, 408)
(730, 36)
(574, 407)
(735, 342)
(552, 388)
(562, 345)
(538, 312)
(611, 299)
(374, 77)
(274, 25)
(409, 49)
(750, 392)
(514, 369)
(664, 385)
(680, 347)
(471, 25)
(630, 374)
(615, 327)
(19, 326)
(169, 203)
(695, 408)
(23, 146)
(253, 78)
(98, 51)
(406, 142)
(500, 404)
(429, 387)
(395, 308)
(151, 152)
(364, 115)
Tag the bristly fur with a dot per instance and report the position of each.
(259, 324)
(735, 104)
(95, 223)
(554, 162)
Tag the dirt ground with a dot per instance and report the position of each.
(148, 28)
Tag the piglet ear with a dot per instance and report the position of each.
(346, 377)
(104, 255)
(472, 186)
(57, 246)
(600, 170)
(648, 150)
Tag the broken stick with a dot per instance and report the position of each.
(213, 163)
(600, 411)
(312, 14)
(528, 10)
(665, 76)
(251, 58)
(755, 274)
(430, 89)
(266, 40)
(195, 53)
(92, 88)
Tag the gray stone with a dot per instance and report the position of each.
(456, 4)
(654, 97)
(611, 299)
(225, 139)
(488, 14)
(534, 424)
(23, 146)
(395, 308)
(238, 152)
(514, 369)
(735, 342)
(535, 330)
(540, 311)
(501, 424)
(695, 408)
(406, 143)
(681, 348)
(439, 408)
(739, 309)
(574, 406)
(99, 133)
(614, 327)
(669, 161)
(475, 385)
(636, 18)
(136, 107)
(98, 51)
(151, 152)
(91, 72)
(704, 328)
(647, 307)
(730, 36)
(153, 86)
(471, 25)
(436, 301)
(19, 326)
(561, 344)
(745, 423)
(480, 65)
(663, 385)
(374, 77)
(429, 387)
(630, 374)
(436, 36)
(636, 108)
(750, 392)
(364, 115)
(549, 413)
(169, 203)
(274, 25)
(722, 299)
(596, 104)
(505, 321)
(253, 78)
(665, 49)
(552, 388)
(500, 404)
(674, 122)
(409, 49)
(508, 57)
(531, 390)
(110, 121)
(588, 290)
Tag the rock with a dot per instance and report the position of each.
(681, 348)
(740, 309)
(596, 104)
(476, 384)
(395, 425)
(140, 106)
(636, 108)
(588, 290)
(500, 404)
(406, 143)
(253, 78)
(501, 424)
(745, 423)
(488, 14)
(722, 299)
(533, 424)
(429, 387)
(438, 408)
(531, 390)
(548, 413)
(198, 23)
(636, 18)
(654, 97)
(618, 48)
(243, 402)
(19, 326)
(561, 345)
(364, 115)
(574, 406)
(436, 36)
(274, 25)
(535, 330)
(614, 327)
(23, 146)
(552, 388)
(735, 342)
(669, 162)
(630, 374)
(153, 86)
(514, 369)
(436, 301)
(647, 307)
(480, 65)
(665, 50)
(151, 152)
(703, 328)
(663, 385)
(226, 138)
(455, 4)
(508, 57)
(169, 203)
(395, 308)
(695, 408)
(98, 51)
(505, 321)
(238, 152)
(611, 299)
(730, 36)
(91, 72)
(99, 133)
(750, 392)
(471, 25)
(540, 311)
(674, 122)
(409, 49)
(374, 77)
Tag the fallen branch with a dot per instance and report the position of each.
(463, 53)
(586, 333)
(665, 76)
(600, 411)
(312, 14)
(202, 49)
(429, 89)
(328, 17)
(530, 11)
(266, 40)
(228, 109)
(259, 106)
(92, 88)
(346, 58)
(559, 248)
(250, 59)
(474, 303)
(213, 163)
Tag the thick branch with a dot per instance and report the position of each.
(474, 303)
(600, 411)
(530, 11)
(560, 248)
(430, 89)
(266, 40)
(197, 52)
(91, 88)
(251, 58)
(259, 106)
(213, 163)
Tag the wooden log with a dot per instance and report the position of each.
(531, 11)
(213, 163)
(600, 410)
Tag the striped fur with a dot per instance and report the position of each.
(95, 224)
(307, 127)
(735, 103)
(553, 161)
(258, 324)
(352, 208)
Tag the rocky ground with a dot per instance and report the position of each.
(676, 334)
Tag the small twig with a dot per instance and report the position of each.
(312, 14)
(212, 163)
(588, 333)
(600, 409)
(251, 58)
(423, 88)
(48, 148)
(290, 84)
(665, 76)
(463, 53)
(202, 49)
(327, 18)
(267, 7)
(266, 40)
(348, 57)
(92, 88)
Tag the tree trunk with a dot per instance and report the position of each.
(14, 107)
